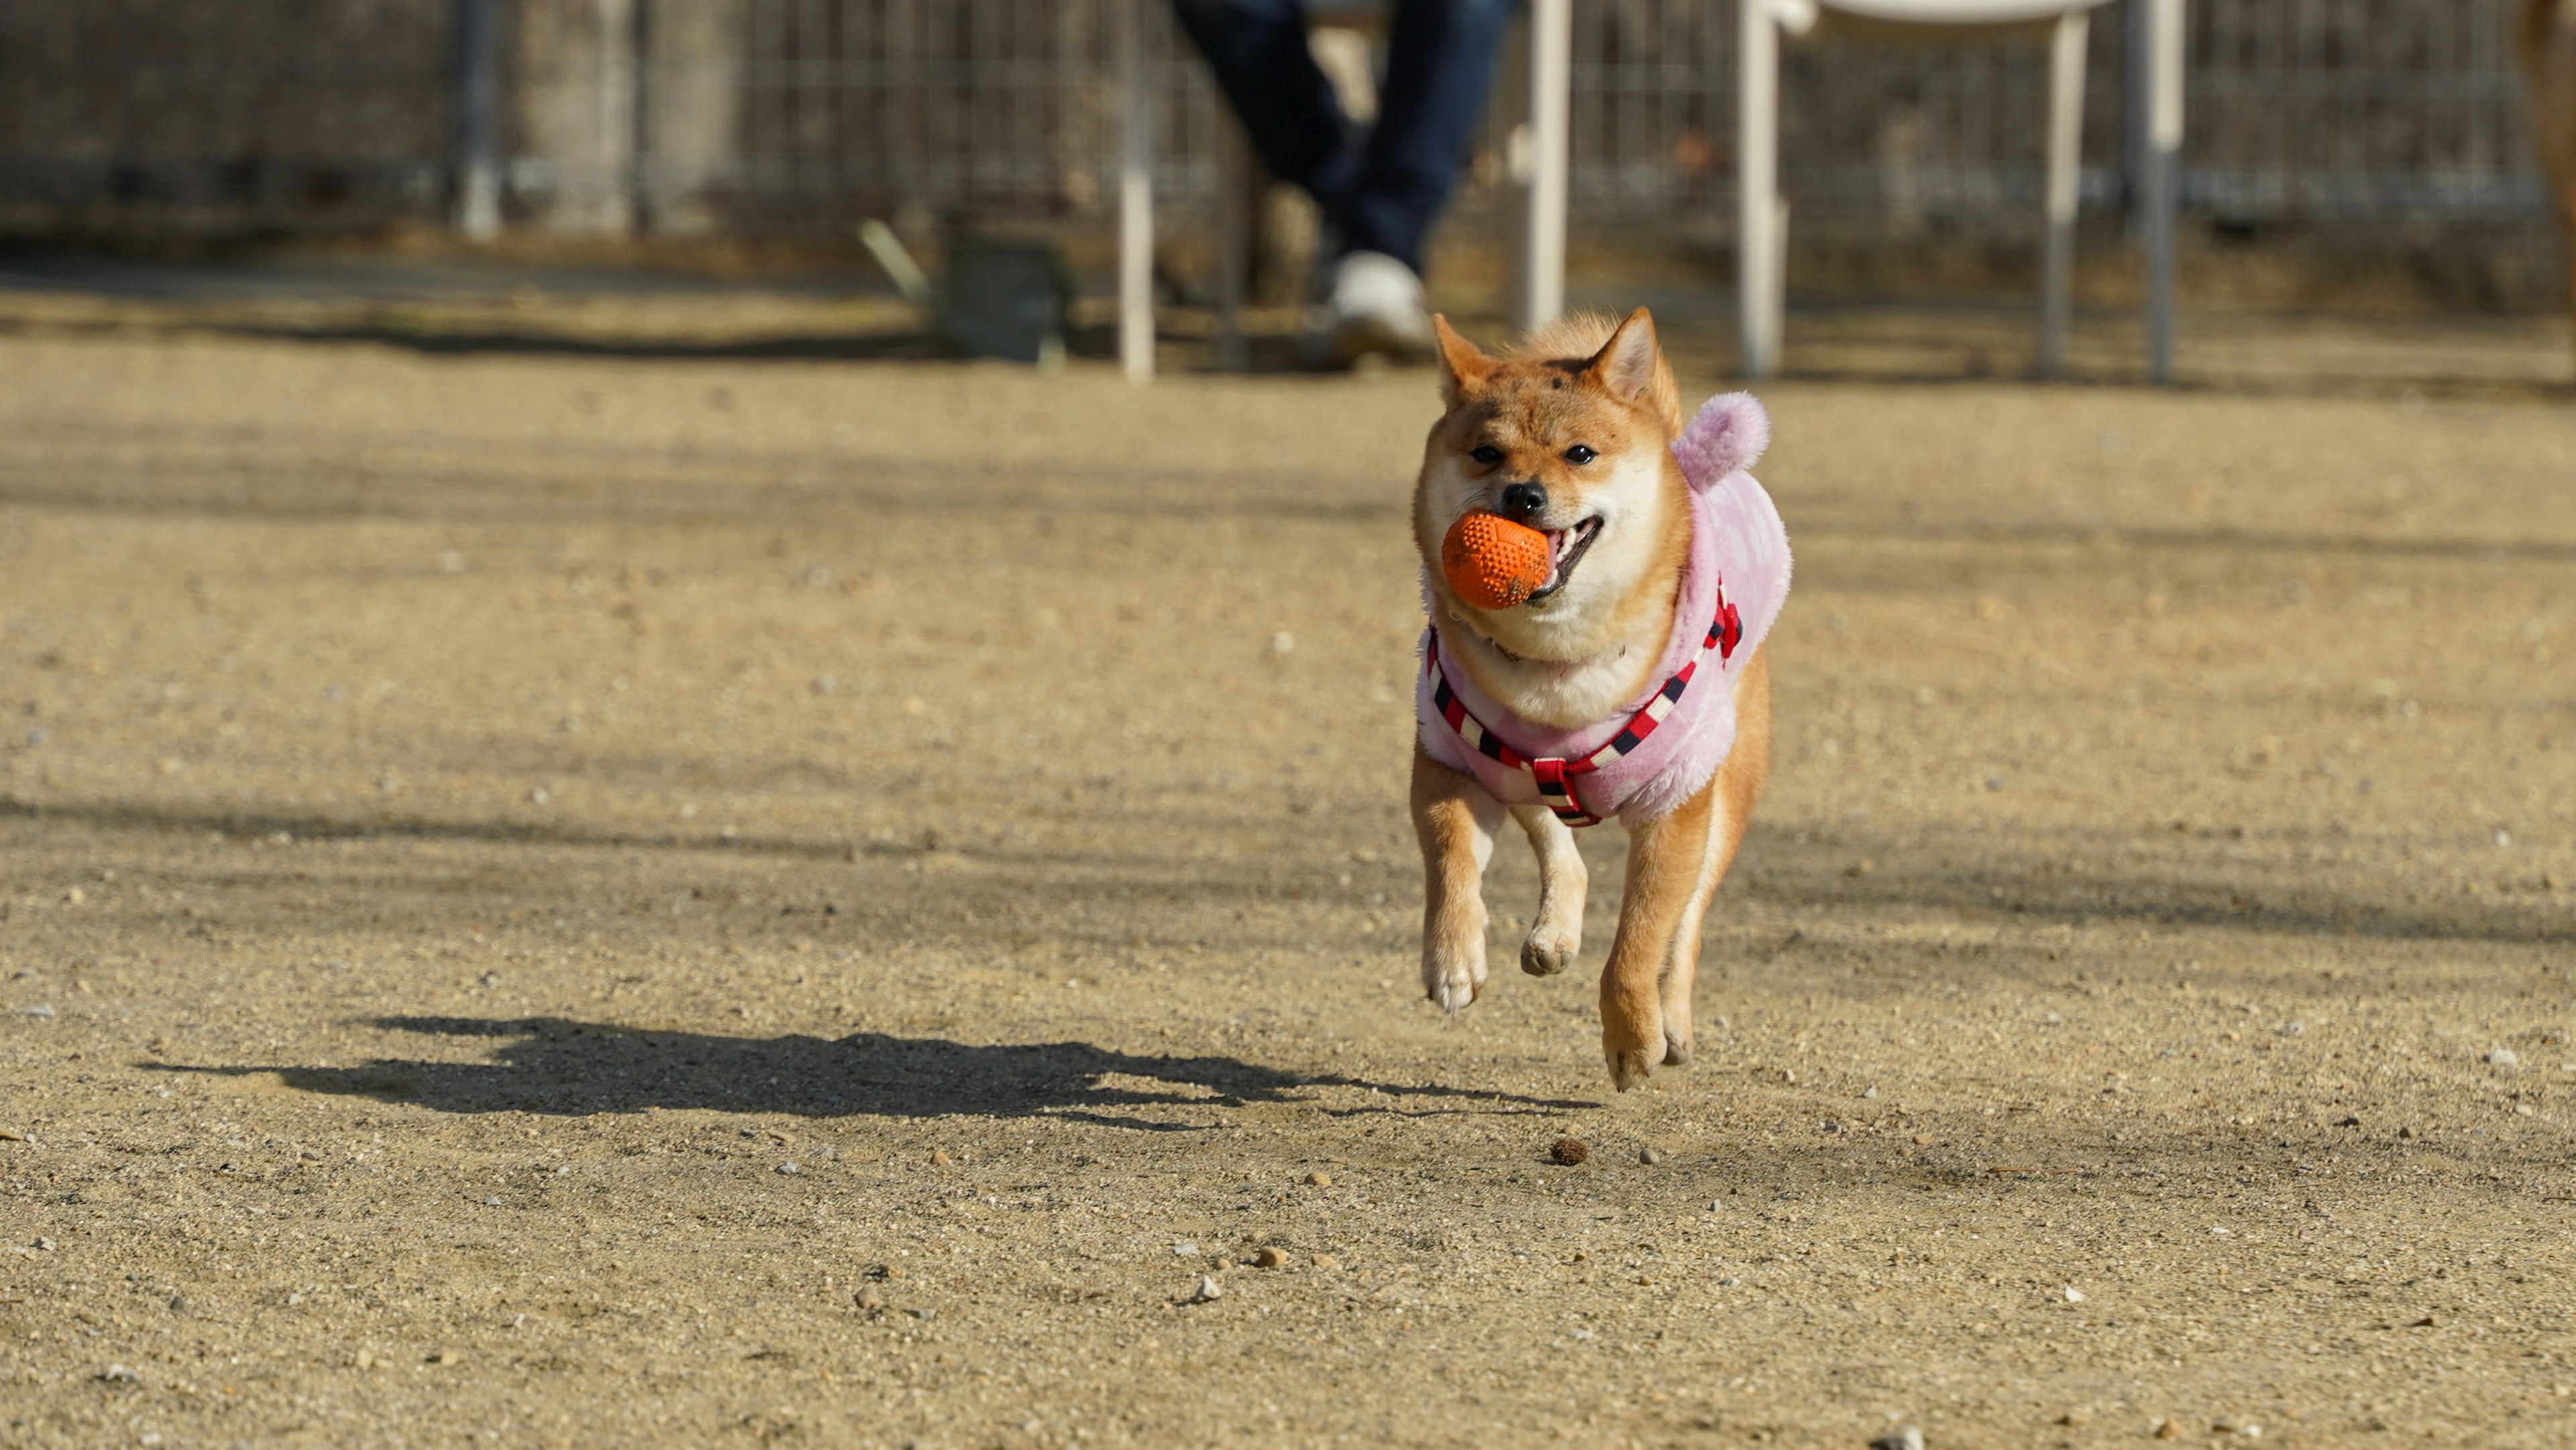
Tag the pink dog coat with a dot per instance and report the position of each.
(1656, 751)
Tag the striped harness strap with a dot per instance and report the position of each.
(1555, 776)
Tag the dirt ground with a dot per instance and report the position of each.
(596, 896)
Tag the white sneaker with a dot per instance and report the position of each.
(1377, 308)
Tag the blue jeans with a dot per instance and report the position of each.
(1380, 187)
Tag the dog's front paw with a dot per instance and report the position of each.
(1629, 1067)
(1451, 979)
(1631, 1049)
(1547, 955)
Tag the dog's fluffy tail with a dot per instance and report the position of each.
(1727, 434)
(1578, 335)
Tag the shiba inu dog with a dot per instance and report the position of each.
(1632, 682)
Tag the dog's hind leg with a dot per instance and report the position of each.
(1455, 820)
(1681, 968)
(1667, 857)
(1556, 938)
(1739, 782)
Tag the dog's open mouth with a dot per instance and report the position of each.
(1566, 550)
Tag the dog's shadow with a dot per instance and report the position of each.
(557, 1066)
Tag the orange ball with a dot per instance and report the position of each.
(1492, 562)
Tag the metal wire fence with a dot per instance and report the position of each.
(786, 117)
(152, 116)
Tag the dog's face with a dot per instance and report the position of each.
(1577, 448)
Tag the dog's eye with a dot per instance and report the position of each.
(1580, 453)
(1486, 454)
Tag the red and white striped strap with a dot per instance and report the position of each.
(1555, 776)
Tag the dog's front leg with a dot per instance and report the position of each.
(1455, 820)
(1667, 858)
(1556, 937)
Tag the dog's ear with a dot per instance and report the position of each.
(1462, 363)
(1625, 366)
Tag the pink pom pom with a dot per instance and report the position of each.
(1727, 434)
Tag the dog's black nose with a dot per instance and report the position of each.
(1524, 502)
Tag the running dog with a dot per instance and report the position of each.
(1632, 683)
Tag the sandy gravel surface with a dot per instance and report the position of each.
(575, 900)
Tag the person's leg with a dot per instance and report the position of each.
(1257, 48)
(1440, 65)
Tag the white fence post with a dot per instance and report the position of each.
(1135, 199)
(1538, 296)
(2164, 178)
(478, 130)
(1758, 221)
(2065, 173)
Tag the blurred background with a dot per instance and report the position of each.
(2343, 157)
(532, 691)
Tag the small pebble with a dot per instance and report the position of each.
(1327, 1261)
(1871, 1091)
(2168, 1429)
(1269, 1259)
(938, 1157)
(2073, 1294)
(1922, 1140)
(1208, 1290)
(45, 1244)
(2503, 1057)
(1185, 1250)
(1569, 1151)
(1903, 1437)
(789, 1168)
(2074, 1417)
(2293, 1029)
(1319, 1179)
(446, 1356)
(117, 1372)
(871, 1300)
(1649, 1157)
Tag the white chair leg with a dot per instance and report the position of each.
(2065, 158)
(1760, 274)
(1538, 294)
(1135, 199)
